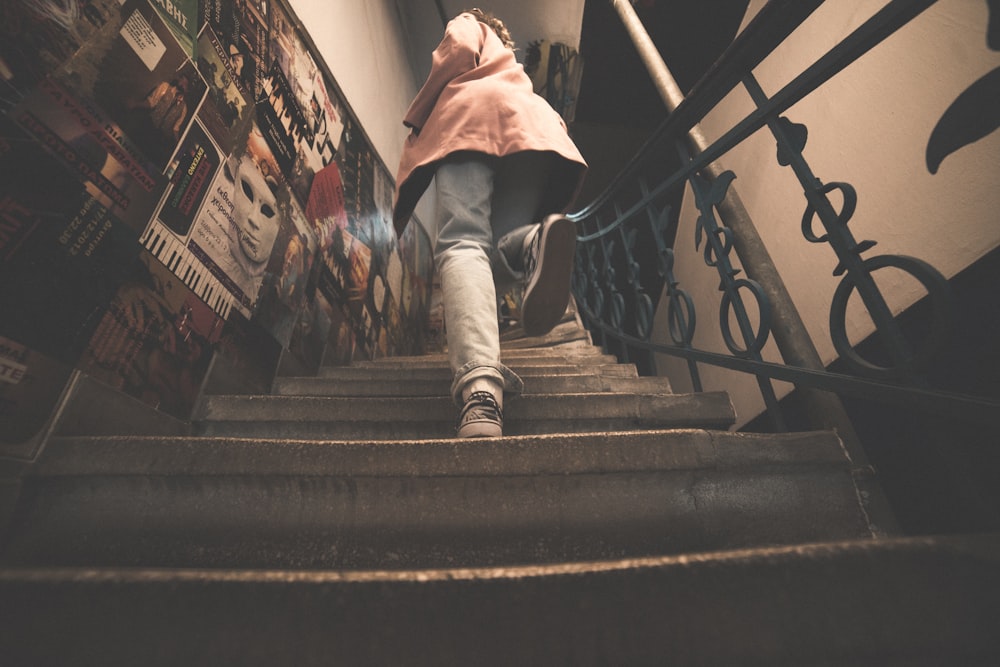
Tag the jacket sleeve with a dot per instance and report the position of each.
(457, 53)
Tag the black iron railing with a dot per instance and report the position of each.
(627, 238)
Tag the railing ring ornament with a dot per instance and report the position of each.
(939, 293)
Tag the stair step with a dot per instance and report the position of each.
(347, 418)
(918, 602)
(440, 385)
(362, 373)
(339, 517)
(394, 363)
(204, 502)
(586, 353)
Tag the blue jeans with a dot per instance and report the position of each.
(485, 207)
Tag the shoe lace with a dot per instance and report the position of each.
(481, 405)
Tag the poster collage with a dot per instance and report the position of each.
(182, 179)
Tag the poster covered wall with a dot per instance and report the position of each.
(185, 181)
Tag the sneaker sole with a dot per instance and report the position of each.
(547, 294)
(484, 429)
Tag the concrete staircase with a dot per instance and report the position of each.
(336, 521)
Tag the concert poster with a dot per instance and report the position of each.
(192, 171)
(142, 78)
(312, 124)
(56, 32)
(156, 339)
(368, 278)
(177, 155)
(226, 111)
(342, 348)
(326, 209)
(325, 117)
(357, 168)
(282, 293)
(327, 215)
(280, 118)
(182, 18)
(343, 279)
(309, 342)
(115, 173)
(235, 232)
(242, 29)
(357, 280)
(62, 252)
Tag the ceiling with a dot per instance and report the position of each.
(689, 34)
(527, 20)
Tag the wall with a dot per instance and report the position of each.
(371, 63)
(189, 195)
(871, 126)
(368, 59)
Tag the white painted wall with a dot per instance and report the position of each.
(365, 47)
(869, 126)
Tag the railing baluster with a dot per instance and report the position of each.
(615, 289)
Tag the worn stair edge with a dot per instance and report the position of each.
(918, 602)
(558, 454)
(405, 522)
(441, 386)
(361, 373)
(408, 418)
(528, 362)
(712, 405)
(373, 429)
(343, 519)
(588, 354)
(580, 354)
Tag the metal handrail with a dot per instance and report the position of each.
(638, 211)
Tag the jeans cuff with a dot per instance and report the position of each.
(512, 384)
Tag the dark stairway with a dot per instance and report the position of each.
(336, 522)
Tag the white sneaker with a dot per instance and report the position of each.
(548, 267)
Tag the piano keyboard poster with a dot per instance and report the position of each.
(162, 160)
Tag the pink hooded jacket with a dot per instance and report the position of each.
(478, 98)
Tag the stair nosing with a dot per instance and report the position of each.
(657, 450)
